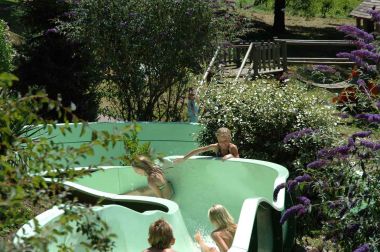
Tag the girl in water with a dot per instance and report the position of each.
(223, 148)
(224, 233)
(157, 182)
(160, 237)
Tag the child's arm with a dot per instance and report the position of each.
(219, 242)
(195, 152)
(204, 248)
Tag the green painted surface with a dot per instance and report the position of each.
(198, 184)
(165, 138)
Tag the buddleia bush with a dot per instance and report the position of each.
(261, 113)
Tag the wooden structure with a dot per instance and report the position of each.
(363, 19)
(318, 44)
(252, 59)
(249, 59)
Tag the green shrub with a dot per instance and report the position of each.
(261, 113)
(6, 50)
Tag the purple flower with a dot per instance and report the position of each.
(291, 211)
(324, 69)
(298, 134)
(362, 248)
(304, 200)
(343, 115)
(362, 45)
(277, 190)
(372, 118)
(302, 211)
(351, 142)
(361, 82)
(343, 150)
(303, 178)
(362, 134)
(371, 145)
(356, 33)
(317, 163)
(365, 54)
(51, 31)
(291, 185)
(375, 15)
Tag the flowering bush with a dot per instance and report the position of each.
(343, 190)
(261, 113)
(322, 74)
(365, 92)
(6, 51)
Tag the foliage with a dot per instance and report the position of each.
(49, 61)
(322, 74)
(41, 15)
(361, 98)
(343, 191)
(27, 153)
(144, 49)
(261, 113)
(6, 50)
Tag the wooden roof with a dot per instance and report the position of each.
(366, 5)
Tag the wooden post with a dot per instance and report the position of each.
(256, 59)
(209, 67)
(284, 56)
(244, 61)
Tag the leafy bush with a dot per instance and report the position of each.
(27, 153)
(144, 49)
(261, 113)
(6, 50)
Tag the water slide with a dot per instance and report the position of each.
(244, 186)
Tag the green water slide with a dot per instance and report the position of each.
(245, 187)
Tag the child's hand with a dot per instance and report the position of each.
(228, 156)
(198, 237)
(178, 160)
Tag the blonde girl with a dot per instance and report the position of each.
(157, 182)
(225, 230)
(223, 148)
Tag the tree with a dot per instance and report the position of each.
(279, 17)
(144, 50)
(50, 61)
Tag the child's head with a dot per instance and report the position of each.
(161, 235)
(220, 217)
(223, 135)
(191, 94)
(142, 165)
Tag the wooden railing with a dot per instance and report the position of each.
(315, 60)
(269, 57)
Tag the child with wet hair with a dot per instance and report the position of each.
(224, 233)
(223, 148)
(160, 237)
(157, 182)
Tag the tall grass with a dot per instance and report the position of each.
(309, 8)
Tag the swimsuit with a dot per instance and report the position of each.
(219, 152)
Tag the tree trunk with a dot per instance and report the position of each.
(279, 17)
